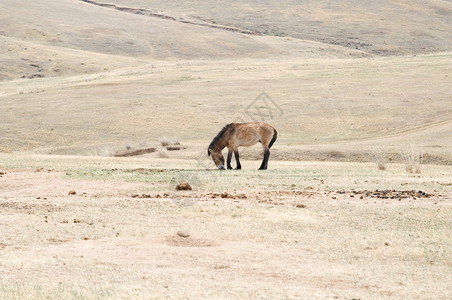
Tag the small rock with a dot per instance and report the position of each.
(183, 187)
(299, 205)
(225, 195)
(386, 244)
(183, 234)
(72, 192)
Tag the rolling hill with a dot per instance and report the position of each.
(378, 27)
(48, 38)
(346, 76)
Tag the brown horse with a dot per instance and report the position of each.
(236, 135)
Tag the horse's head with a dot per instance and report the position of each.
(217, 158)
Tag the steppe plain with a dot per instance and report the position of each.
(348, 85)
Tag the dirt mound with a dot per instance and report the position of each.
(183, 187)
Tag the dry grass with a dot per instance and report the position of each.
(162, 152)
(286, 232)
(334, 22)
(127, 91)
(101, 150)
(155, 98)
(168, 141)
(378, 156)
(412, 159)
(103, 78)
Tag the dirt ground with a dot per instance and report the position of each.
(68, 233)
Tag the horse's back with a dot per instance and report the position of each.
(248, 134)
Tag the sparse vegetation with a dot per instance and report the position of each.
(253, 220)
(92, 206)
(378, 156)
(412, 159)
(168, 141)
(162, 152)
(101, 150)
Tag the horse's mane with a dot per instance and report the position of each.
(220, 136)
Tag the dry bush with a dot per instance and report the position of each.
(167, 141)
(162, 152)
(412, 160)
(378, 156)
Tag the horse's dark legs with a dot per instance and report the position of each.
(236, 154)
(265, 160)
(228, 161)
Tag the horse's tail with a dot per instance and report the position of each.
(275, 135)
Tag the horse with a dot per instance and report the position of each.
(236, 135)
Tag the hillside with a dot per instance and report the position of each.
(47, 38)
(322, 102)
(378, 27)
(78, 76)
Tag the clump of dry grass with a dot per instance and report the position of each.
(167, 144)
(101, 150)
(412, 160)
(162, 152)
(378, 156)
(168, 141)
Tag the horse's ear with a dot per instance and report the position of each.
(208, 152)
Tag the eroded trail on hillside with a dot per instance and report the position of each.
(150, 13)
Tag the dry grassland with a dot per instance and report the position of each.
(309, 230)
(357, 201)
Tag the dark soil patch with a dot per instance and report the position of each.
(389, 194)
